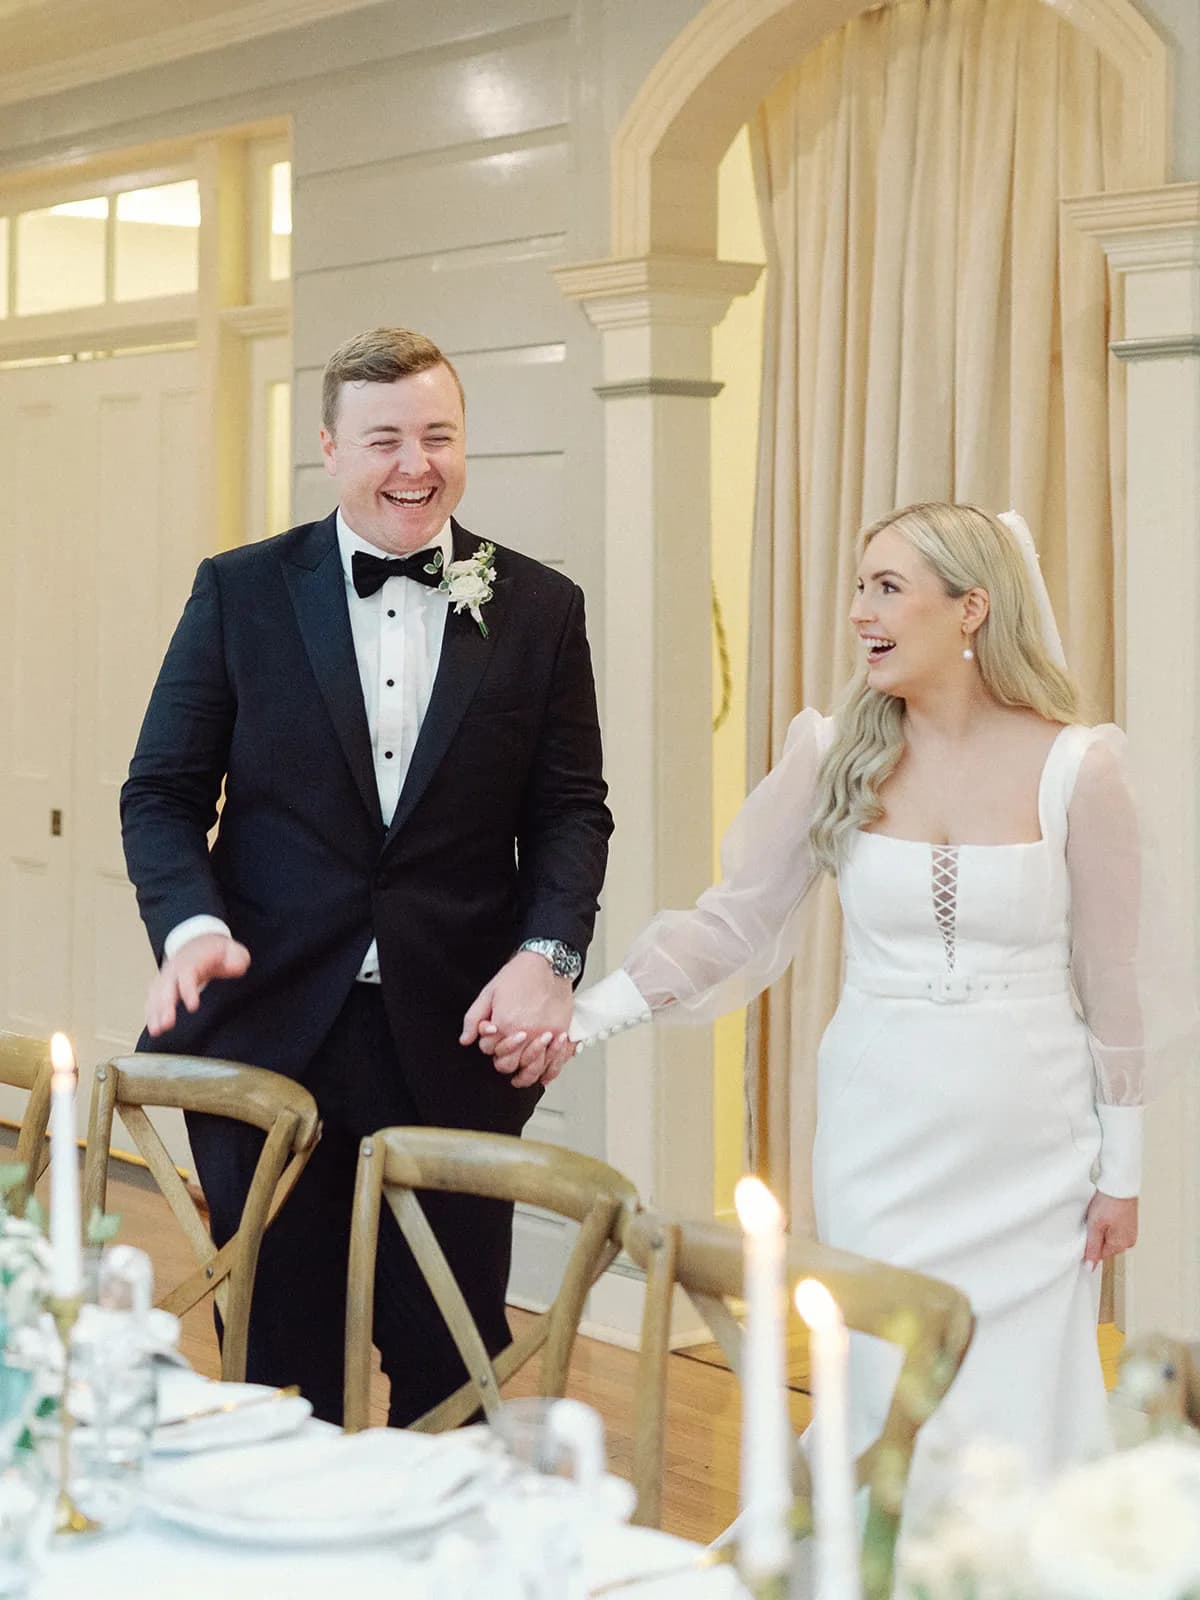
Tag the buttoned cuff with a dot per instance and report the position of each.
(1120, 1174)
(192, 928)
(607, 1007)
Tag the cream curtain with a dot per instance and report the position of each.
(932, 332)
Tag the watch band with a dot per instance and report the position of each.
(565, 962)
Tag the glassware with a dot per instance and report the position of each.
(558, 1448)
(24, 1528)
(112, 1401)
(15, 1385)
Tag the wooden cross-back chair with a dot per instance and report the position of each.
(395, 1162)
(25, 1064)
(284, 1111)
(930, 1321)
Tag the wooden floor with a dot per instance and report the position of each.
(703, 1412)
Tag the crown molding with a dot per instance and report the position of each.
(656, 289)
(175, 43)
(1142, 230)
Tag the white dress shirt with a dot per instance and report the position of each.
(398, 643)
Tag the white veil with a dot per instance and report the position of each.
(1051, 638)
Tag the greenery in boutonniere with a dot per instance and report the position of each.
(467, 584)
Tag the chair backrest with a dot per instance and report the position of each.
(395, 1162)
(25, 1064)
(284, 1111)
(929, 1320)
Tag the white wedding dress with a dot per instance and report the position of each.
(957, 1133)
(983, 1072)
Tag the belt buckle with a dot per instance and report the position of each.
(949, 989)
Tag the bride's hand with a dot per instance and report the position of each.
(1112, 1227)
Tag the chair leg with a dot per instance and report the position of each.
(236, 1310)
(586, 1262)
(648, 1444)
(99, 1138)
(360, 1284)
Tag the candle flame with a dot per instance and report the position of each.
(62, 1057)
(816, 1305)
(757, 1208)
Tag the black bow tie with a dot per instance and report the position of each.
(372, 572)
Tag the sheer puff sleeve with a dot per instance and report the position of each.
(1129, 961)
(692, 966)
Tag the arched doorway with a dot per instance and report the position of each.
(655, 301)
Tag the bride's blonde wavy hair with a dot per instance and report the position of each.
(967, 549)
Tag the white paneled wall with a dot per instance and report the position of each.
(433, 190)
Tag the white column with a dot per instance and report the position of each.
(1152, 241)
(655, 316)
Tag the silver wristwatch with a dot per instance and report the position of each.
(564, 961)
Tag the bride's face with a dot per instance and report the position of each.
(911, 629)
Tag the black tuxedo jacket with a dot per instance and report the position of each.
(500, 834)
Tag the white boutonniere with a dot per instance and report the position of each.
(468, 584)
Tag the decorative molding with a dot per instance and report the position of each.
(720, 67)
(1122, 210)
(174, 43)
(1142, 230)
(659, 291)
(632, 275)
(1166, 348)
(258, 321)
(641, 388)
(169, 320)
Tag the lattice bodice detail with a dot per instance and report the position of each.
(945, 897)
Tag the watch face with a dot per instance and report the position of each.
(564, 962)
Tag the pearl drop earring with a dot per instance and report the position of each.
(968, 653)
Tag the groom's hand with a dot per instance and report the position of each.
(184, 976)
(521, 1018)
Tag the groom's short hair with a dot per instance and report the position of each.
(382, 355)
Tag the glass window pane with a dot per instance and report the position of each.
(157, 241)
(280, 257)
(3, 266)
(60, 257)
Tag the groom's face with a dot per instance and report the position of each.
(399, 454)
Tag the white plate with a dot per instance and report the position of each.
(324, 1490)
(260, 1423)
(182, 1393)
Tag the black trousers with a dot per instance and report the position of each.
(297, 1320)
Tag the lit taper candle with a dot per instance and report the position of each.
(66, 1232)
(835, 1525)
(764, 1543)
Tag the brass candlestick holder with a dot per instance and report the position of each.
(773, 1587)
(68, 1518)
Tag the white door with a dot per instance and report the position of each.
(98, 549)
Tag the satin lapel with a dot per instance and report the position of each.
(313, 572)
(465, 654)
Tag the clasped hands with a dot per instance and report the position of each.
(520, 1018)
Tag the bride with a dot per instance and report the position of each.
(980, 1085)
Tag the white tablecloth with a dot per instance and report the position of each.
(153, 1560)
(160, 1561)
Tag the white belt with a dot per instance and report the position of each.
(951, 988)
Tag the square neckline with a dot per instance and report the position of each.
(1020, 844)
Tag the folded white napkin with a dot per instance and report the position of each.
(364, 1477)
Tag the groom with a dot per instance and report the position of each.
(408, 858)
